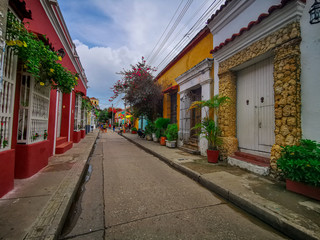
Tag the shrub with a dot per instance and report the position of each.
(172, 132)
(134, 129)
(150, 128)
(301, 163)
(161, 125)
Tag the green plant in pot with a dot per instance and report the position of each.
(208, 128)
(150, 128)
(161, 125)
(172, 135)
(134, 130)
(300, 165)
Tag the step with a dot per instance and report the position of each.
(251, 165)
(62, 148)
(61, 140)
(189, 150)
(253, 157)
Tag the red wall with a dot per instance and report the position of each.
(7, 171)
(52, 119)
(31, 158)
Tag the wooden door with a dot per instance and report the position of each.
(255, 107)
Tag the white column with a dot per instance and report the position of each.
(205, 95)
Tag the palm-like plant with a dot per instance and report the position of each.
(208, 127)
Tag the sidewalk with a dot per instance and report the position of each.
(37, 206)
(294, 215)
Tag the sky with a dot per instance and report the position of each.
(112, 34)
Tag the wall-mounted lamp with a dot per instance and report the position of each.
(315, 12)
(61, 52)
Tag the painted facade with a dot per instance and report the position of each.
(185, 79)
(247, 35)
(196, 50)
(38, 122)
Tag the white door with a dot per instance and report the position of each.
(255, 107)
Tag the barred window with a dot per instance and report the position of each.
(8, 68)
(77, 113)
(33, 110)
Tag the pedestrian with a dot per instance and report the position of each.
(105, 127)
(114, 127)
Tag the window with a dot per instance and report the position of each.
(8, 68)
(33, 110)
(77, 113)
(173, 108)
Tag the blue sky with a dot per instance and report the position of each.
(112, 34)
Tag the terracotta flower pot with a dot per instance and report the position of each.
(304, 189)
(213, 156)
(163, 141)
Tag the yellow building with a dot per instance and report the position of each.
(94, 101)
(197, 50)
(187, 78)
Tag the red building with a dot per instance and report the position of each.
(38, 121)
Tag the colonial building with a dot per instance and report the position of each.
(37, 121)
(266, 59)
(187, 78)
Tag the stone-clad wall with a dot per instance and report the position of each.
(284, 43)
(287, 97)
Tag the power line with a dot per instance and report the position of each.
(192, 30)
(165, 30)
(174, 26)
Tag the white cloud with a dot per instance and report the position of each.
(112, 34)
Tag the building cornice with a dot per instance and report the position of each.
(281, 17)
(204, 67)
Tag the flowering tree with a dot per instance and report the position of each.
(139, 89)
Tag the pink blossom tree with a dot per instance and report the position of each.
(140, 90)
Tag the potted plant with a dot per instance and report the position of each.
(208, 128)
(161, 125)
(134, 130)
(300, 165)
(149, 130)
(172, 135)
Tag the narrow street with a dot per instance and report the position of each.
(130, 194)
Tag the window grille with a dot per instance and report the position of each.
(9, 71)
(33, 111)
(83, 118)
(173, 108)
(77, 113)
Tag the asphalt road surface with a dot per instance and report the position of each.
(130, 194)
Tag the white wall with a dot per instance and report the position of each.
(310, 76)
(251, 13)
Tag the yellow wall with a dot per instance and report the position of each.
(189, 60)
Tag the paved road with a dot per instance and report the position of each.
(133, 195)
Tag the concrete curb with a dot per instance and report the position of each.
(49, 223)
(276, 221)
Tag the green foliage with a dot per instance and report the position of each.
(103, 116)
(301, 163)
(134, 129)
(208, 128)
(150, 128)
(161, 125)
(210, 131)
(172, 132)
(37, 57)
(86, 104)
